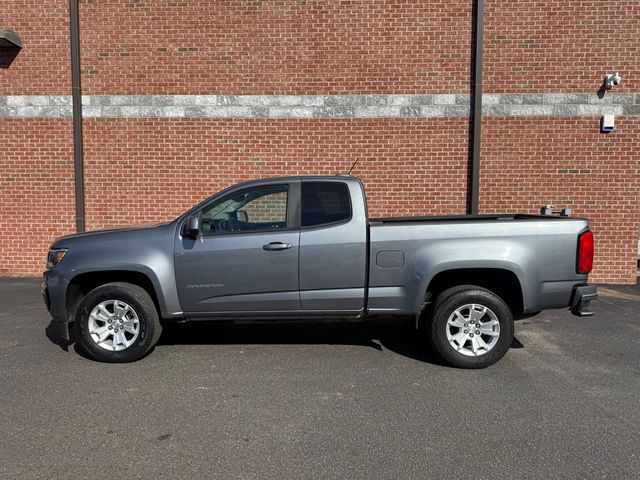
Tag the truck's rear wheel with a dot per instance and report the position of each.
(117, 322)
(471, 327)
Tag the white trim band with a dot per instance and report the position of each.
(321, 106)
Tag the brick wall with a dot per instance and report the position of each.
(413, 157)
(36, 191)
(283, 47)
(43, 65)
(560, 45)
(36, 154)
(141, 171)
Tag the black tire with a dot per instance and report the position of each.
(445, 306)
(142, 304)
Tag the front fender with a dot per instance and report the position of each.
(144, 251)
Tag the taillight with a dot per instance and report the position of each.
(585, 252)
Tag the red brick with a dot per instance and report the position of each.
(43, 66)
(36, 189)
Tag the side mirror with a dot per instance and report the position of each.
(242, 216)
(191, 227)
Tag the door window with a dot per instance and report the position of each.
(324, 203)
(251, 210)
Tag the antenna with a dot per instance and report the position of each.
(353, 166)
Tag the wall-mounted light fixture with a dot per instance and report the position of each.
(10, 46)
(9, 39)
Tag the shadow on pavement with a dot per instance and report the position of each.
(398, 336)
(54, 336)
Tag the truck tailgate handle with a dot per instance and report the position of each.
(276, 246)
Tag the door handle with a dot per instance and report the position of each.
(276, 246)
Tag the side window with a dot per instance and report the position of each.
(324, 202)
(250, 210)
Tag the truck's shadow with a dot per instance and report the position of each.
(395, 336)
(398, 338)
(55, 338)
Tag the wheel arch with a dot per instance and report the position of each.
(503, 282)
(82, 283)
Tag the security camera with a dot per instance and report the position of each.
(612, 80)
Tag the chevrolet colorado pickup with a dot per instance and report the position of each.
(302, 248)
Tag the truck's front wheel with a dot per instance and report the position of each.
(117, 322)
(471, 327)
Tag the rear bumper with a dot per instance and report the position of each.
(582, 298)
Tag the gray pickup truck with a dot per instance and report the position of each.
(302, 248)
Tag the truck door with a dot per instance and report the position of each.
(245, 257)
(333, 245)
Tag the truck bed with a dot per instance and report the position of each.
(407, 252)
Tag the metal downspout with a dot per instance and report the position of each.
(76, 95)
(477, 109)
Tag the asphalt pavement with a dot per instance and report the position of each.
(327, 400)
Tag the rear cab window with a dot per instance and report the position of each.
(324, 203)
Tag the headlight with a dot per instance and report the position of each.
(55, 256)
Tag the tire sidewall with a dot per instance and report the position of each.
(481, 297)
(113, 292)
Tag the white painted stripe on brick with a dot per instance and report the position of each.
(321, 106)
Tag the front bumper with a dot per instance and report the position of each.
(54, 288)
(582, 297)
